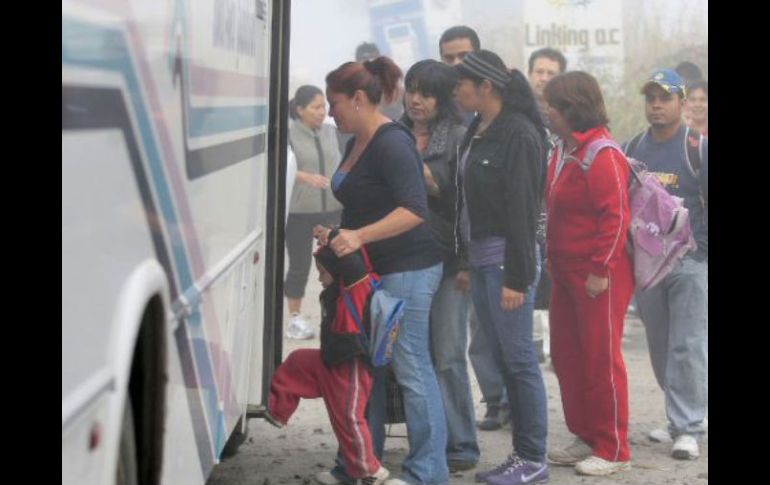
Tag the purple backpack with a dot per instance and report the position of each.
(659, 232)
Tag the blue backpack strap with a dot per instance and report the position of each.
(356, 316)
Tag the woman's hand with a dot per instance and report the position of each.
(511, 299)
(430, 182)
(313, 179)
(346, 242)
(321, 233)
(595, 285)
(463, 281)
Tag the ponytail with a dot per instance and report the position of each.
(376, 77)
(387, 73)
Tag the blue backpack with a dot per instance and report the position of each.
(386, 313)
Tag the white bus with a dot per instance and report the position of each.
(173, 177)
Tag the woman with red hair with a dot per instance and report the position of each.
(385, 207)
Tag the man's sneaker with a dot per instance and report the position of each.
(512, 458)
(576, 451)
(496, 417)
(595, 466)
(660, 435)
(299, 329)
(521, 472)
(327, 478)
(663, 435)
(396, 481)
(378, 478)
(685, 447)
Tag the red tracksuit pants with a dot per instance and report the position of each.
(345, 389)
(587, 354)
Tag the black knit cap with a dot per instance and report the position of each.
(352, 267)
(476, 66)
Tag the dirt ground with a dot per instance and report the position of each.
(293, 455)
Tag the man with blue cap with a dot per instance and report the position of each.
(675, 311)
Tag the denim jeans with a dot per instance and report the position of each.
(425, 419)
(449, 347)
(675, 316)
(509, 334)
(486, 370)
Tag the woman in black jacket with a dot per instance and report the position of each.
(501, 173)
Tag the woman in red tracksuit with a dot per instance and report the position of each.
(588, 219)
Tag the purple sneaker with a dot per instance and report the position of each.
(521, 472)
(481, 477)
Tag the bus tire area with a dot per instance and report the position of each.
(236, 439)
(126, 473)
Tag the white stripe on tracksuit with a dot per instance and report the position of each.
(358, 441)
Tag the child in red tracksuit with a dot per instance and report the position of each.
(592, 274)
(339, 371)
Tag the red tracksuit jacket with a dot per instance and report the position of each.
(576, 237)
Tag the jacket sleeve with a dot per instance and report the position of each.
(608, 179)
(523, 192)
(702, 238)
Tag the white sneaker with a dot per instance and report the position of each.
(378, 478)
(660, 435)
(685, 447)
(326, 478)
(595, 466)
(299, 329)
(396, 481)
(576, 451)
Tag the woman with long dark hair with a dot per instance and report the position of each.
(432, 116)
(501, 177)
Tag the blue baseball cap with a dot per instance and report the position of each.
(668, 79)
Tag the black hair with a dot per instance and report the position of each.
(689, 71)
(367, 51)
(304, 95)
(548, 53)
(434, 79)
(460, 32)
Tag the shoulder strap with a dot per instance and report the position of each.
(354, 312)
(694, 150)
(630, 147)
(593, 150)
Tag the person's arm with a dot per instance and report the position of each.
(313, 179)
(522, 192)
(397, 222)
(702, 238)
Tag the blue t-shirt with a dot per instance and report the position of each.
(389, 175)
(668, 161)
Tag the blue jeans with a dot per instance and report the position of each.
(487, 372)
(425, 419)
(509, 334)
(675, 316)
(449, 347)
